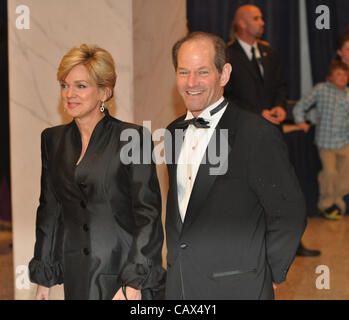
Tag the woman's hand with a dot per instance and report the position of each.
(42, 293)
(131, 293)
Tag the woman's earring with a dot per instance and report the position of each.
(102, 106)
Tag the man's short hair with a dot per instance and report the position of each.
(220, 47)
(337, 64)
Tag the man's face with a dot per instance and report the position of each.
(344, 52)
(339, 78)
(253, 22)
(198, 80)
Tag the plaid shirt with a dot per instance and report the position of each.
(332, 114)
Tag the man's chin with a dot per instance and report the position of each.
(259, 35)
(195, 109)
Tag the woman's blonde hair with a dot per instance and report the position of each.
(99, 63)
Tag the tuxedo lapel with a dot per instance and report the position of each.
(173, 145)
(207, 173)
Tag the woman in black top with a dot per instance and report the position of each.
(98, 227)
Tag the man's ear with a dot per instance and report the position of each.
(225, 75)
(241, 23)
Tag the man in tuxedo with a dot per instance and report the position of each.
(232, 226)
(256, 82)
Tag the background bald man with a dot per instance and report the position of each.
(256, 81)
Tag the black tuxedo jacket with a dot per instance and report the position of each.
(245, 87)
(242, 228)
(99, 223)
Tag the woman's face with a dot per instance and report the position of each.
(80, 93)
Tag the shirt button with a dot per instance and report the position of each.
(85, 227)
(184, 246)
(86, 251)
(83, 204)
(189, 178)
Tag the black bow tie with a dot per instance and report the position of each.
(197, 122)
(201, 122)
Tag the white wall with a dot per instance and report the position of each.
(155, 94)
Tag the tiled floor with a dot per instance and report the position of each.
(331, 237)
(303, 283)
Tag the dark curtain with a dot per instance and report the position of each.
(281, 29)
(322, 42)
(307, 165)
(212, 16)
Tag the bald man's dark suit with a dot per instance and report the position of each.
(246, 89)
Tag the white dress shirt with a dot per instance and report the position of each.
(193, 149)
(247, 48)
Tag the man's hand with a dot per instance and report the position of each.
(304, 126)
(275, 115)
(131, 293)
(42, 293)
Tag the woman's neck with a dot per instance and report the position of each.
(87, 123)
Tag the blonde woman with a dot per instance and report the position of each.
(98, 227)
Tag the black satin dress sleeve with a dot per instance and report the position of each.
(143, 268)
(46, 268)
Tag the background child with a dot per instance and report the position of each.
(331, 136)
